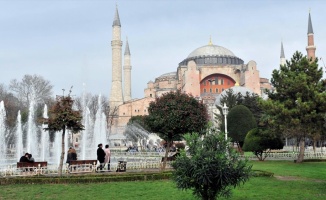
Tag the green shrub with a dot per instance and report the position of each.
(89, 178)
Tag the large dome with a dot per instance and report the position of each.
(211, 50)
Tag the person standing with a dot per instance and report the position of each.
(100, 156)
(72, 155)
(107, 156)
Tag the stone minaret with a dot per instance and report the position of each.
(282, 57)
(311, 46)
(116, 96)
(127, 73)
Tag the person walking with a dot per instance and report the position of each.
(107, 156)
(100, 156)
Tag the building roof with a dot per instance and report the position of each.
(127, 51)
(168, 74)
(310, 30)
(116, 21)
(282, 51)
(236, 89)
(211, 50)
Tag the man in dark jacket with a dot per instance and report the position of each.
(24, 158)
(100, 156)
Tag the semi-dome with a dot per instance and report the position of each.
(169, 74)
(236, 90)
(211, 50)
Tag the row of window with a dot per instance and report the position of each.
(135, 111)
(218, 60)
(215, 81)
(211, 90)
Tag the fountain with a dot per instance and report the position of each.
(100, 132)
(45, 150)
(19, 137)
(45, 137)
(32, 140)
(3, 146)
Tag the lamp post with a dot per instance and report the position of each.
(225, 110)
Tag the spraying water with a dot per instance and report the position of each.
(84, 135)
(32, 141)
(45, 137)
(19, 137)
(3, 146)
(99, 125)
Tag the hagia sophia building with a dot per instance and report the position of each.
(206, 73)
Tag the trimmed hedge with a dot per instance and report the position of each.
(261, 173)
(90, 178)
(312, 160)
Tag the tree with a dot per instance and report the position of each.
(212, 168)
(31, 87)
(299, 103)
(261, 142)
(174, 114)
(231, 99)
(62, 117)
(240, 121)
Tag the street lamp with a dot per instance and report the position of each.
(225, 110)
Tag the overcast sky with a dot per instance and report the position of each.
(68, 42)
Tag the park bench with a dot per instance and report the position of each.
(32, 167)
(79, 166)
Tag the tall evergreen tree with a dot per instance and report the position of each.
(240, 121)
(299, 103)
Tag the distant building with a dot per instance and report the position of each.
(205, 73)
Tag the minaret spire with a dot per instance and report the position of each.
(127, 73)
(116, 96)
(310, 30)
(311, 48)
(116, 21)
(127, 51)
(282, 57)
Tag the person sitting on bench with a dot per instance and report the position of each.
(24, 158)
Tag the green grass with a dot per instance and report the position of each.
(290, 181)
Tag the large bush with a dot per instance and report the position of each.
(212, 169)
(240, 120)
(261, 143)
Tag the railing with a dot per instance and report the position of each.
(152, 161)
(289, 156)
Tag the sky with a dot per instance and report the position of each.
(68, 42)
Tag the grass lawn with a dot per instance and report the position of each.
(291, 181)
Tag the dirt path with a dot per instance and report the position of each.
(294, 178)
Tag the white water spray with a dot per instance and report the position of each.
(45, 137)
(19, 137)
(32, 140)
(3, 146)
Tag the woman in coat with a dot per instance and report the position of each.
(107, 156)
